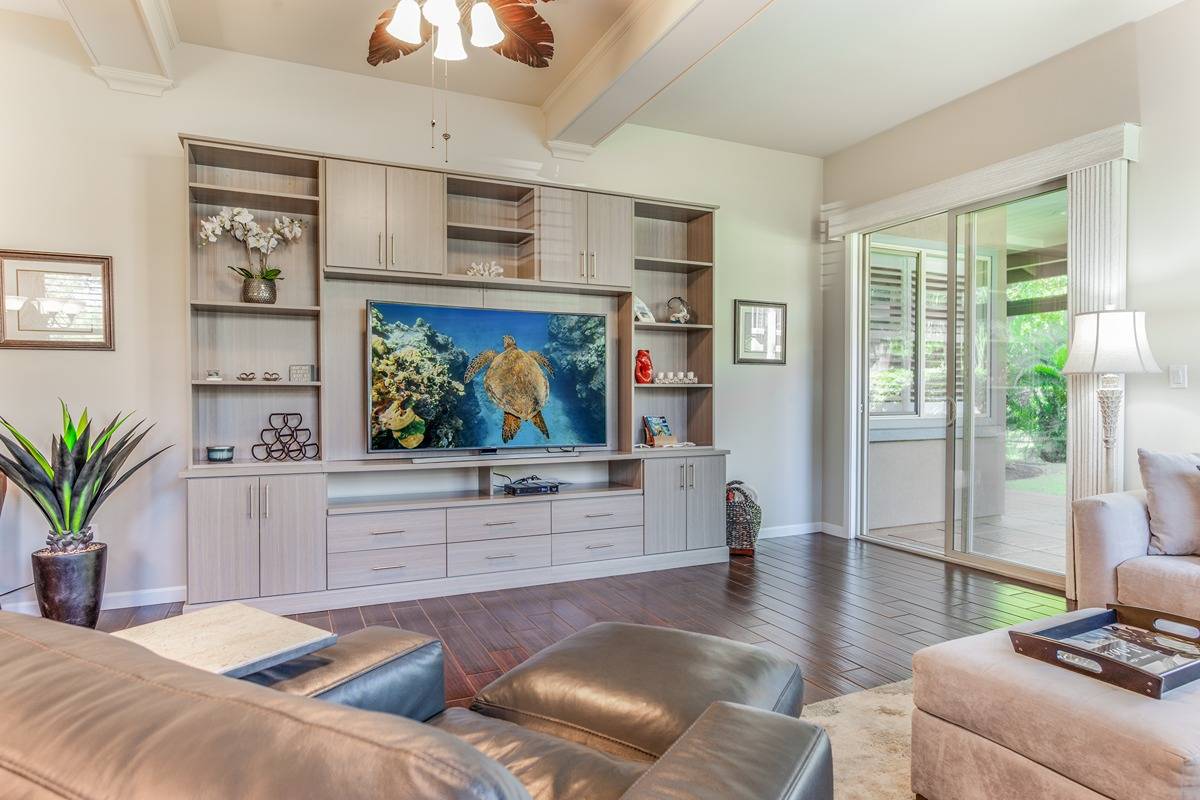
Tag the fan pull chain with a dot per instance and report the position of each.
(446, 109)
(432, 101)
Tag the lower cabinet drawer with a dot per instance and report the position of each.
(598, 513)
(394, 565)
(497, 521)
(351, 532)
(576, 548)
(498, 555)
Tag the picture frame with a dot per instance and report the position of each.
(759, 332)
(55, 301)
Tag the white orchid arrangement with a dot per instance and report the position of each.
(259, 242)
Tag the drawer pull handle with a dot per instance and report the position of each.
(386, 533)
(598, 546)
(394, 566)
(596, 516)
(499, 558)
(494, 524)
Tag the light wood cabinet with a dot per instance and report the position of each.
(255, 537)
(705, 502)
(385, 218)
(223, 547)
(610, 240)
(416, 221)
(292, 534)
(562, 235)
(356, 214)
(684, 503)
(585, 238)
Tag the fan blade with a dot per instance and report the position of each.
(528, 38)
(383, 47)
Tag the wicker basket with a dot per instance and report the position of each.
(743, 518)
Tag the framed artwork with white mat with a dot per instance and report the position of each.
(56, 301)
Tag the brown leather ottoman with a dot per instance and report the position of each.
(632, 690)
(990, 723)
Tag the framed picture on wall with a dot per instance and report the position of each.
(760, 332)
(56, 301)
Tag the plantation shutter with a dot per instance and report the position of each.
(891, 332)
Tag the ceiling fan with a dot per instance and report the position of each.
(512, 28)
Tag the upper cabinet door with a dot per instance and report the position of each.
(292, 516)
(562, 235)
(610, 240)
(355, 214)
(222, 539)
(416, 221)
(705, 502)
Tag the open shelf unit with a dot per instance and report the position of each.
(674, 257)
(487, 221)
(231, 336)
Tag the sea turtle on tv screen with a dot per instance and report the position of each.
(516, 383)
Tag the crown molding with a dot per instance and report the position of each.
(570, 151)
(124, 80)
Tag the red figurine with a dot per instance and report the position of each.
(643, 372)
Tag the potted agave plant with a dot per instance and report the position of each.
(68, 488)
(258, 276)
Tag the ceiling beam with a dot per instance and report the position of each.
(129, 42)
(645, 51)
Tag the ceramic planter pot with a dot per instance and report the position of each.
(70, 586)
(257, 290)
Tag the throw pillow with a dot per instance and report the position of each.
(1172, 482)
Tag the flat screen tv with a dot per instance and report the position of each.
(447, 378)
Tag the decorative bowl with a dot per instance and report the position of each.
(220, 453)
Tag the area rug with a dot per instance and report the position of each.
(871, 734)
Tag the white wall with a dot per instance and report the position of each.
(1146, 72)
(89, 170)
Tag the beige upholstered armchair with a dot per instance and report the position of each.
(1112, 564)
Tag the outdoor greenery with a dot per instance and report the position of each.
(1037, 396)
(80, 474)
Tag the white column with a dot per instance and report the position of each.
(1097, 259)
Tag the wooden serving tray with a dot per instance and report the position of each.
(1048, 645)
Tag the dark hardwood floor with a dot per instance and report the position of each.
(850, 613)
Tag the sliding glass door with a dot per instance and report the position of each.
(989, 454)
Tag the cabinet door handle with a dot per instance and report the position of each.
(682, 485)
(266, 501)
(393, 566)
(593, 263)
(582, 264)
(596, 516)
(494, 524)
(380, 256)
(499, 558)
(386, 533)
(691, 476)
(597, 546)
(250, 501)
(392, 245)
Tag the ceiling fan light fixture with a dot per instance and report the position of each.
(442, 13)
(485, 31)
(450, 44)
(406, 22)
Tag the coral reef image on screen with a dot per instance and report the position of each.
(447, 378)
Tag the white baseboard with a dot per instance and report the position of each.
(834, 530)
(777, 531)
(139, 597)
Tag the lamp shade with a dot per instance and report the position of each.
(1110, 342)
(406, 22)
(450, 44)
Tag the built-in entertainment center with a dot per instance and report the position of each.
(358, 524)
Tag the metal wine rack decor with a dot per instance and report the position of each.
(285, 440)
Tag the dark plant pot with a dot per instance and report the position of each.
(257, 290)
(70, 586)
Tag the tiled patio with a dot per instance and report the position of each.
(1032, 531)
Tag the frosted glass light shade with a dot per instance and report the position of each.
(485, 31)
(1110, 342)
(450, 44)
(406, 22)
(442, 12)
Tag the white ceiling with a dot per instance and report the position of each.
(334, 34)
(815, 76)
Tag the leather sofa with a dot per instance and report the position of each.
(616, 711)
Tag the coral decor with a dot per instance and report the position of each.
(643, 370)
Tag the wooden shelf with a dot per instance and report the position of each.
(672, 386)
(669, 212)
(236, 384)
(488, 233)
(528, 284)
(670, 326)
(233, 307)
(487, 189)
(256, 199)
(468, 498)
(669, 264)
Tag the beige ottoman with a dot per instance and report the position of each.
(992, 724)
